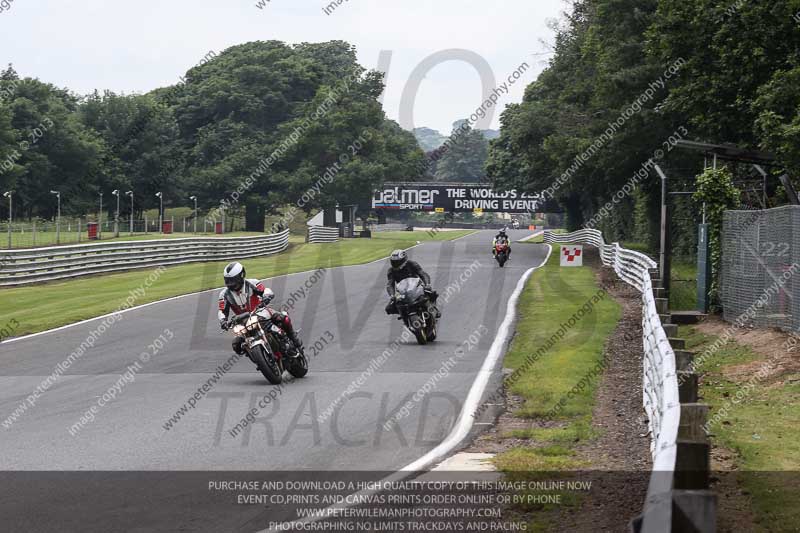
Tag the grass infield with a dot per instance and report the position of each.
(552, 297)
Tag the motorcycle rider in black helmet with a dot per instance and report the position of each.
(401, 267)
(242, 295)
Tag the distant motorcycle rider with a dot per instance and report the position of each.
(502, 236)
(401, 267)
(242, 295)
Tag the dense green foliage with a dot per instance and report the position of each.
(461, 157)
(465, 160)
(735, 79)
(258, 126)
(429, 139)
(716, 194)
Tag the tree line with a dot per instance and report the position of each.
(737, 82)
(210, 135)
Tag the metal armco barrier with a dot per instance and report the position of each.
(319, 234)
(22, 267)
(660, 381)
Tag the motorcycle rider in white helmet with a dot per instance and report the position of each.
(242, 295)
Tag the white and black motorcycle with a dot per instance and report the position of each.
(268, 346)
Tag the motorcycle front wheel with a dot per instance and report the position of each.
(268, 366)
(414, 323)
(431, 333)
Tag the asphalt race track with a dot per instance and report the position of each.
(310, 425)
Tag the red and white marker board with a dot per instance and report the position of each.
(571, 255)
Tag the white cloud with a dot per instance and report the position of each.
(138, 46)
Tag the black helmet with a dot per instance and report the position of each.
(398, 259)
(234, 276)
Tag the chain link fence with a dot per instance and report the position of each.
(760, 260)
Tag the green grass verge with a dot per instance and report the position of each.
(45, 306)
(550, 299)
(762, 427)
(540, 239)
(683, 290)
(25, 240)
(412, 236)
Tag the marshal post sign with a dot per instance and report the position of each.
(453, 198)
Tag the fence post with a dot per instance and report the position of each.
(34, 232)
(694, 506)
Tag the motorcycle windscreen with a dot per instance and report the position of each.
(412, 291)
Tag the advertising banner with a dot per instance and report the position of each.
(454, 198)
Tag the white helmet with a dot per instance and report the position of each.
(234, 275)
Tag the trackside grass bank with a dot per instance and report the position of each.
(41, 307)
(413, 236)
(48, 238)
(539, 239)
(753, 391)
(557, 361)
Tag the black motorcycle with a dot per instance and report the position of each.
(416, 309)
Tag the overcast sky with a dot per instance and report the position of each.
(137, 46)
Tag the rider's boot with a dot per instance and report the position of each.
(283, 320)
(292, 334)
(298, 343)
